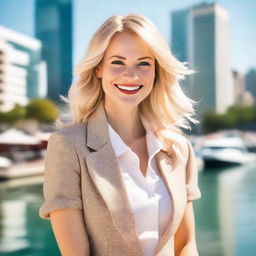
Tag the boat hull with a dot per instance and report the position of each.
(220, 163)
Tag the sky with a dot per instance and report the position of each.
(90, 14)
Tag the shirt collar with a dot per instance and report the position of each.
(118, 145)
(154, 145)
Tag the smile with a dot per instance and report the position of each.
(128, 89)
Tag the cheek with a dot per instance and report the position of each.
(109, 75)
(115, 71)
(148, 75)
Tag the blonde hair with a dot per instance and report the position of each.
(166, 108)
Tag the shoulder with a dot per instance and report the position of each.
(179, 140)
(177, 146)
(75, 133)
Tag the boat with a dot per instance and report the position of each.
(5, 162)
(225, 150)
(24, 169)
(21, 154)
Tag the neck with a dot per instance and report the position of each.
(125, 121)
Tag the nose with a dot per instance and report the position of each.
(131, 73)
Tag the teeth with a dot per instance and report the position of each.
(128, 88)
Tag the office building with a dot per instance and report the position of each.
(250, 82)
(200, 36)
(53, 26)
(21, 69)
(239, 87)
(242, 96)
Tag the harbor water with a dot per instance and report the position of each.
(225, 215)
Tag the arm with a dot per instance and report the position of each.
(69, 230)
(63, 199)
(184, 238)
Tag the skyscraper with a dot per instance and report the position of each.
(250, 82)
(53, 26)
(200, 35)
(239, 87)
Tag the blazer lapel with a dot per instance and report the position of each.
(104, 170)
(173, 175)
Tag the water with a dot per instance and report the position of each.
(225, 215)
(22, 231)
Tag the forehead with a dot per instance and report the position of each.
(127, 43)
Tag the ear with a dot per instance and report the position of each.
(98, 71)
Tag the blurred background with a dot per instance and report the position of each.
(40, 43)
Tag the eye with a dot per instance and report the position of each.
(144, 63)
(117, 62)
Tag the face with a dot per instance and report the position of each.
(127, 71)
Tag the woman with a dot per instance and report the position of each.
(121, 178)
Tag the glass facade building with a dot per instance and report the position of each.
(200, 36)
(53, 26)
(250, 81)
(179, 29)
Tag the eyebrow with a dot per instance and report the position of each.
(123, 58)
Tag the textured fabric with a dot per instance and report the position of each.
(148, 196)
(62, 181)
(82, 172)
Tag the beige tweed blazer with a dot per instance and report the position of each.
(82, 172)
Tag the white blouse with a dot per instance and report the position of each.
(149, 198)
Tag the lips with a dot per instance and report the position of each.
(128, 88)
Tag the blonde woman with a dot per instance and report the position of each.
(121, 178)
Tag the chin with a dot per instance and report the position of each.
(131, 103)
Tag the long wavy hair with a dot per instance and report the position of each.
(166, 109)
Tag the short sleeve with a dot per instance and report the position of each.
(193, 191)
(61, 186)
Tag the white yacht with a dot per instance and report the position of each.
(224, 151)
(5, 162)
(21, 155)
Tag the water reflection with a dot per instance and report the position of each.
(13, 226)
(225, 222)
(225, 215)
(22, 232)
(206, 212)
